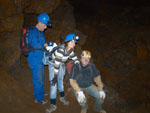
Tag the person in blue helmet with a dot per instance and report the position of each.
(37, 40)
(57, 70)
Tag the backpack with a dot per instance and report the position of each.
(70, 65)
(48, 54)
(24, 46)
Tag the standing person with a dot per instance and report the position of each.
(57, 70)
(37, 41)
(82, 78)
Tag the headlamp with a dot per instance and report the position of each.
(76, 37)
(49, 23)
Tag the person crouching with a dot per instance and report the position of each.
(82, 78)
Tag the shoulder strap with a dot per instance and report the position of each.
(73, 73)
(54, 49)
(61, 46)
(91, 68)
(58, 47)
(79, 67)
(37, 33)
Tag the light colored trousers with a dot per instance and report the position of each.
(60, 77)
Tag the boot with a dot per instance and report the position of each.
(102, 111)
(41, 102)
(64, 100)
(51, 108)
(83, 110)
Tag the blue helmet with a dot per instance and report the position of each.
(44, 18)
(70, 37)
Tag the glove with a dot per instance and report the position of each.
(102, 94)
(76, 62)
(54, 81)
(54, 45)
(80, 97)
(50, 46)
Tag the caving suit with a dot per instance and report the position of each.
(37, 40)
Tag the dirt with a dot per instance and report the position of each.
(17, 93)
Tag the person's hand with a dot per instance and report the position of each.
(102, 94)
(54, 81)
(80, 97)
(45, 45)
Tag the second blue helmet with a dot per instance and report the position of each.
(44, 18)
(70, 37)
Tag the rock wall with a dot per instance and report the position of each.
(16, 14)
(119, 41)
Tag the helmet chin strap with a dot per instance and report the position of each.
(38, 26)
(68, 48)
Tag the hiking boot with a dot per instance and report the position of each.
(83, 110)
(41, 102)
(51, 108)
(64, 100)
(102, 111)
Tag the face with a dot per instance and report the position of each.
(71, 44)
(85, 61)
(41, 26)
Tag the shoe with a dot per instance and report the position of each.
(64, 100)
(45, 94)
(102, 111)
(41, 102)
(51, 108)
(83, 110)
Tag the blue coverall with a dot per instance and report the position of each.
(36, 64)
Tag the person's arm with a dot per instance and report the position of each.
(99, 83)
(75, 85)
(58, 59)
(97, 77)
(72, 77)
(73, 57)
